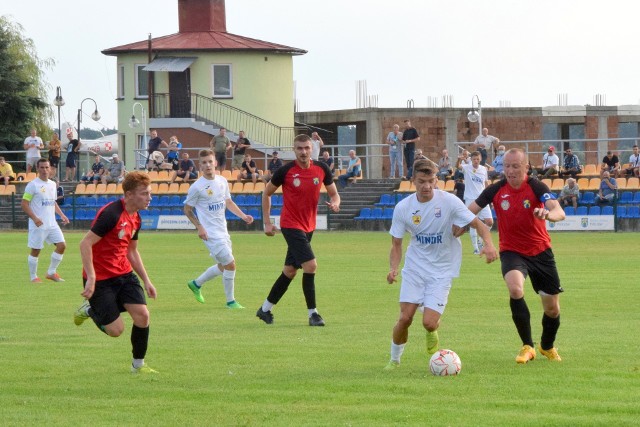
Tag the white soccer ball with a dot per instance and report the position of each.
(444, 363)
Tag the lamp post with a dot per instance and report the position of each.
(475, 115)
(134, 123)
(59, 102)
(95, 116)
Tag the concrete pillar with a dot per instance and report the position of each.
(374, 136)
(603, 133)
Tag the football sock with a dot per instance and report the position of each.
(522, 319)
(312, 310)
(32, 262)
(267, 306)
(139, 341)
(550, 327)
(228, 278)
(396, 351)
(56, 259)
(309, 289)
(137, 363)
(474, 238)
(279, 288)
(209, 274)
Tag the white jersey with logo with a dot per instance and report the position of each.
(42, 197)
(33, 144)
(474, 181)
(433, 251)
(209, 197)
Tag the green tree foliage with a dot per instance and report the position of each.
(23, 89)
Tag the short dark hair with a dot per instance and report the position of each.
(423, 166)
(303, 137)
(41, 160)
(205, 153)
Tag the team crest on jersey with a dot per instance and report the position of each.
(121, 233)
(209, 192)
(438, 212)
(316, 181)
(505, 204)
(43, 189)
(296, 182)
(526, 203)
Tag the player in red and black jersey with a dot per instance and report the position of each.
(301, 181)
(522, 205)
(109, 258)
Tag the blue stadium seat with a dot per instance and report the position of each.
(255, 213)
(587, 198)
(92, 202)
(400, 196)
(81, 200)
(164, 201)
(493, 214)
(387, 213)
(621, 211)
(607, 210)
(240, 200)
(155, 202)
(144, 213)
(636, 198)
(252, 200)
(176, 211)
(626, 198)
(386, 200)
(569, 211)
(183, 199)
(365, 213)
(582, 211)
(633, 212)
(594, 210)
(102, 200)
(376, 213)
(276, 200)
(230, 216)
(276, 212)
(165, 211)
(111, 199)
(174, 201)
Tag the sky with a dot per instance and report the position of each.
(524, 53)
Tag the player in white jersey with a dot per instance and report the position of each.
(210, 197)
(475, 180)
(433, 257)
(39, 203)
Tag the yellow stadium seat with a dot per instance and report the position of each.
(583, 183)
(101, 189)
(248, 188)
(440, 185)
(90, 189)
(163, 188)
(405, 187)
(278, 190)
(323, 189)
(111, 188)
(153, 176)
(237, 187)
(590, 170)
(258, 187)
(633, 183)
(154, 188)
(80, 188)
(163, 175)
(226, 174)
(594, 184)
(7, 190)
(557, 184)
(174, 188)
(622, 183)
(119, 188)
(546, 181)
(449, 185)
(184, 188)
(30, 177)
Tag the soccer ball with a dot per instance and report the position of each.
(444, 363)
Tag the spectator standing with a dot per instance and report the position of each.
(72, 156)
(96, 171)
(154, 145)
(210, 197)
(475, 181)
(55, 146)
(39, 203)
(328, 160)
(410, 136)
(522, 205)
(33, 144)
(353, 170)
(570, 194)
(445, 168)
(173, 155)
(220, 144)
(634, 163)
(316, 145)
(498, 164)
(239, 148)
(301, 181)
(608, 189)
(433, 257)
(570, 165)
(6, 171)
(465, 160)
(109, 259)
(249, 169)
(550, 162)
(187, 170)
(116, 171)
(484, 142)
(274, 164)
(394, 140)
(611, 164)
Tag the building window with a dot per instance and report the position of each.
(142, 81)
(120, 81)
(222, 81)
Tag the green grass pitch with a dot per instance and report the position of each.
(223, 367)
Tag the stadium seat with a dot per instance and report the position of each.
(587, 198)
(582, 211)
(400, 196)
(569, 211)
(240, 200)
(557, 184)
(594, 210)
(92, 202)
(387, 213)
(258, 187)
(621, 211)
(81, 214)
(546, 181)
(101, 189)
(174, 188)
(176, 212)
(184, 188)
(8, 190)
(376, 213)
(636, 197)
(365, 213)
(590, 170)
(163, 188)
(594, 184)
(607, 210)
(30, 177)
(102, 200)
(165, 211)
(174, 201)
(163, 201)
(255, 213)
(633, 212)
(254, 200)
(583, 183)
(237, 187)
(276, 212)
(633, 183)
(626, 198)
(111, 188)
(449, 185)
(385, 200)
(621, 183)
(154, 188)
(153, 176)
(247, 188)
(81, 200)
(405, 187)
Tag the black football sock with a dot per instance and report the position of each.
(278, 289)
(139, 341)
(550, 327)
(309, 289)
(522, 319)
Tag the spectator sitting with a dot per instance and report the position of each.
(569, 194)
(274, 164)
(187, 170)
(445, 168)
(239, 148)
(458, 188)
(498, 167)
(328, 160)
(6, 172)
(611, 164)
(353, 170)
(634, 163)
(608, 188)
(248, 169)
(419, 156)
(96, 172)
(116, 171)
(550, 163)
(173, 156)
(156, 159)
(571, 165)
(59, 192)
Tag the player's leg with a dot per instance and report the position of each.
(228, 276)
(131, 297)
(35, 241)
(55, 236)
(436, 296)
(210, 273)
(546, 281)
(400, 334)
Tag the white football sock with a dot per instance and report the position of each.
(312, 310)
(474, 238)
(267, 306)
(32, 262)
(396, 351)
(209, 274)
(228, 279)
(138, 363)
(56, 259)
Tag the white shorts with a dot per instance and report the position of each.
(220, 250)
(485, 213)
(31, 161)
(38, 236)
(431, 293)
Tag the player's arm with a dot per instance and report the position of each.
(136, 262)
(231, 205)
(334, 197)
(269, 228)
(86, 254)
(488, 250)
(25, 204)
(63, 217)
(188, 212)
(552, 211)
(395, 256)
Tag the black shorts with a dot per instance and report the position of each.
(221, 159)
(541, 268)
(71, 160)
(54, 161)
(298, 247)
(175, 164)
(110, 296)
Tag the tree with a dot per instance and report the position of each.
(23, 89)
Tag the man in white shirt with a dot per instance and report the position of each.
(483, 143)
(475, 180)
(550, 163)
(39, 203)
(210, 197)
(634, 163)
(316, 144)
(33, 144)
(433, 257)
